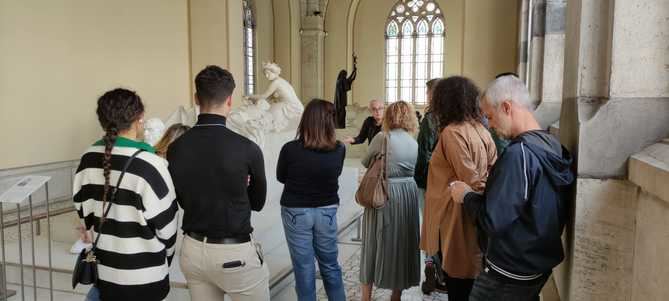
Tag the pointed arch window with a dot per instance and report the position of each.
(415, 34)
(249, 47)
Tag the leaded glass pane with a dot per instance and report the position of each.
(422, 27)
(392, 29)
(437, 44)
(421, 71)
(391, 93)
(421, 45)
(391, 72)
(420, 97)
(407, 28)
(436, 69)
(414, 49)
(391, 46)
(405, 94)
(438, 27)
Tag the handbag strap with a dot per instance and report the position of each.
(385, 156)
(113, 196)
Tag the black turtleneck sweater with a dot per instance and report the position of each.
(210, 165)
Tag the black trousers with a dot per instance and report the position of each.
(491, 286)
(458, 289)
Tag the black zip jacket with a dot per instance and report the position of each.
(524, 207)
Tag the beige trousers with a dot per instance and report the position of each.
(202, 265)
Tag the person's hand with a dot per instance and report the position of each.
(248, 180)
(459, 190)
(84, 235)
(349, 140)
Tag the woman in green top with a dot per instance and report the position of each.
(428, 135)
(427, 139)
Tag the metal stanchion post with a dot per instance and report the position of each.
(48, 239)
(5, 293)
(22, 189)
(18, 218)
(32, 245)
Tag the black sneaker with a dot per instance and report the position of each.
(430, 283)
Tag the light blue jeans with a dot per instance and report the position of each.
(312, 232)
(93, 294)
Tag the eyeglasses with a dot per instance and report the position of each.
(377, 109)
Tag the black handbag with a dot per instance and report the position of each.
(86, 266)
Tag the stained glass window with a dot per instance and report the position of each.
(249, 47)
(414, 49)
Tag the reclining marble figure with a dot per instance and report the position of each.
(277, 109)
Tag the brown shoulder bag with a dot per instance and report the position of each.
(373, 190)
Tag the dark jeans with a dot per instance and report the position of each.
(491, 286)
(458, 289)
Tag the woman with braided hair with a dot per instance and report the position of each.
(134, 217)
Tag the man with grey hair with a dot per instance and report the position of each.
(523, 209)
(371, 126)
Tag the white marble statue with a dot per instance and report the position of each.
(275, 110)
(153, 130)
(185, 116)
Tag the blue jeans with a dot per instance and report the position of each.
(93, 294)
(312, 232)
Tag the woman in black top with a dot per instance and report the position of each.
(309, 167)
(371, 126)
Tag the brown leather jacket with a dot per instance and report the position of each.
(465, 152)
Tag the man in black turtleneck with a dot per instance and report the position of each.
(219, 178)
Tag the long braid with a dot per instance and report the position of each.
(109, 139)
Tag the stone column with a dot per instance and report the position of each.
(548, 55)
(523, 19)
(536, 58)
(313, 37)
(615, 103)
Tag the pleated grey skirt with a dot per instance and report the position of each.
(390, 256)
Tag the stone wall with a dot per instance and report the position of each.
(649, 170)
(615, 106)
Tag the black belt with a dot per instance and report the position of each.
(220, 240)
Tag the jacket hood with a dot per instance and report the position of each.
(554, 158)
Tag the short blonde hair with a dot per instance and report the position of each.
(173, 132)
(400, 115)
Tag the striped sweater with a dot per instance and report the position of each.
(138, 237)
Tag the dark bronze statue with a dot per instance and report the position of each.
(343, 86)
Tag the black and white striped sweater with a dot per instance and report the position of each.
(139, 234)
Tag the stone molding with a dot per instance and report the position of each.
(649, 169)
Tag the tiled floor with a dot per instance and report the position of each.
(349, 257)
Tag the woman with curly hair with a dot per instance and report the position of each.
(465, 152)
(390, 257)
(134, 219)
